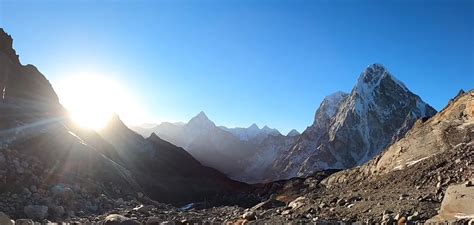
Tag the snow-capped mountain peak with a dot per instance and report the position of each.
(372, 78)
(349, 129)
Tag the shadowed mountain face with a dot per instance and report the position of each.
(350, 129)
(46, 149)
(44, 145)
(244, 154)
(164, 170)
(208, 143)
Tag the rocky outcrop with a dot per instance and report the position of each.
(350, 129)
(457, 204)
(23, 86)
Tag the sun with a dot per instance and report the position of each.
(92, 100)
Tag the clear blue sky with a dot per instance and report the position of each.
(268, 62)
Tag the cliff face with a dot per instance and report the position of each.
(448, 130)
(350, 129)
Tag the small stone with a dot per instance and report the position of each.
(250, 215)
(468, 184)
(341, 202)
(413, 217)
(143, 208)
(402, 220)
(387, 218)
(322, 205)
(140, 195)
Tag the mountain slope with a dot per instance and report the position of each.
(449, 130)
(405, 183)
(43, 153)
(181, 177)
(350, 129)
(41, 148)
(208, 143)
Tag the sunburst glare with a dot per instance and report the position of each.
(92, 100)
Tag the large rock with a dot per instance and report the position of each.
(5, 220)
(458, 203)
(116, 219)
(38, 212)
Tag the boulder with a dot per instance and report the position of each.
(250, 215)
(297, 203)
(116, 219)
(5, 220)
(38, 212)
(457, 204)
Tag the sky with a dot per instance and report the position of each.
(267, 62)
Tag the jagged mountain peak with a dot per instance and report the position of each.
(293, 133)
(254, 127)
(200, 119)
(335, 96)
(115, 123)
(372, 78)
(6, 46)
(353, 128)
(201, 115)
(153, 136)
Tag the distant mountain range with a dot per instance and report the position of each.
(348, 130)
(230, 150)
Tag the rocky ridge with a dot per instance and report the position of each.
(379, 107)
